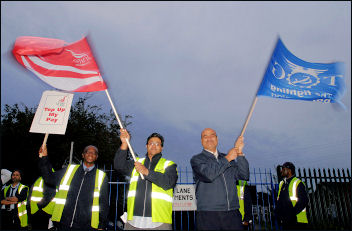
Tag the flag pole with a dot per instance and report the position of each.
(249, 115)
(119, 121)
(254, 102)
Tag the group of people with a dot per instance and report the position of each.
(76, 197)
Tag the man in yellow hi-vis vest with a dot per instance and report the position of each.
(149, 202)
(13, 203)
(292, 200)
(82, 200)
(40, 205)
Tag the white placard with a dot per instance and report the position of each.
(52, 113)
(184, 198)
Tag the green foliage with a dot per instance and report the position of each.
(87, 125)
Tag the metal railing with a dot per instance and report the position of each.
(329, 199)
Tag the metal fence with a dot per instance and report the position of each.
(329, 194)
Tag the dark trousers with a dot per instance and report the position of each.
(219, 220)
(10, 220)
(39, 220)
(295, 226)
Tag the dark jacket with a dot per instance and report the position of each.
(248, 215)
(12, 216)
(167, 180)
(216, 181)
(20, 196)
(284, 210)
(78, 216)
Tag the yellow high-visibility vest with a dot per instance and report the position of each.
(61, 195)
(37, 196)
(161, 199)
(292, 190)
(21, 206)
(240, 195)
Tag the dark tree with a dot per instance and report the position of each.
(87, 125)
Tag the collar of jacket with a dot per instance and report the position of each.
(288, 180)
(209, 154)
(156, 157)
(81, 168)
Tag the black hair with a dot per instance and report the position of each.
(17, 170)
(158, 136)
(91, 146)
(290, 166)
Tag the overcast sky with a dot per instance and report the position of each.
(179, 67)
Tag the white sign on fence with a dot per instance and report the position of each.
(184, 198)
(52, 113)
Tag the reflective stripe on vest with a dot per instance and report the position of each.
(99, 177)
(22, 210)
(21, 206)
(161, 199)
(37, 196)
(292, 190)
(61, 195)
(240, 195)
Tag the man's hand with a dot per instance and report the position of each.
(231, 155)
(141, 168)
(123, 136)
(12, 199)
(9, 201)
(43, 151)
(239, 145)
(6, 202)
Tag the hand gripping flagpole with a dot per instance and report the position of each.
(119, 121)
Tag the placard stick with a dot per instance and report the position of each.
(44, 142)
(119, 121)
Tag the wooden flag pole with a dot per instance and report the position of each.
(249, 115)
(119, 121)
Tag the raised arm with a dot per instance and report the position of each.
(121, 163)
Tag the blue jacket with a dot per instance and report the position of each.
(216, 181)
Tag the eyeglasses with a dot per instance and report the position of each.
(154, 143)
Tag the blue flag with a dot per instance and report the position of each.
(288, 77)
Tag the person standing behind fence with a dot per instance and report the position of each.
(292, 200)
(245, 200)
(13, 203)
(149, 202)
(215, 175)
(82, 201)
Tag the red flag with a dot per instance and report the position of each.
(66, 67)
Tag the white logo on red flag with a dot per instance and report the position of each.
(80, 59)
(72, 68)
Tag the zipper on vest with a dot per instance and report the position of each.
(79, 192)
(145, 193)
